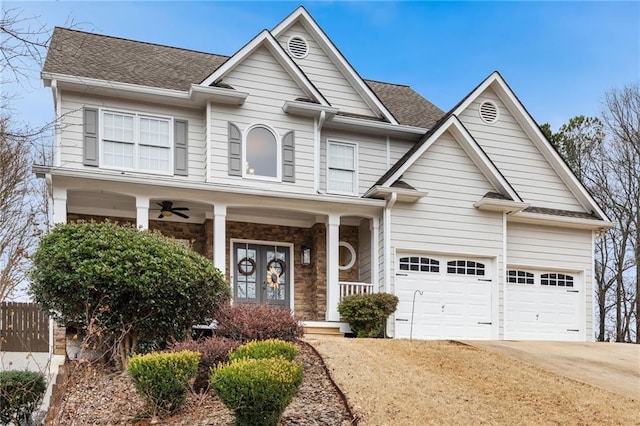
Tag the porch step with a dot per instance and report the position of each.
(325, 331)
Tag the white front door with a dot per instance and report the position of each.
(443, 297)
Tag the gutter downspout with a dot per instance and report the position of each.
(207, 163)
(387, 246)
(317, 124)
(57, 104)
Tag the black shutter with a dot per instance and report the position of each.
(90, 142)
(235, 151)
(288, 157)
(180, 147)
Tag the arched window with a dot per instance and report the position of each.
(261, 158)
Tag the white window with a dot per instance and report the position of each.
(135, 142)
(341, 168)
(262, 154)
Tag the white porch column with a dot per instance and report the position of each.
(59, 205)
(219, 236)
(333, 275)
(142, 212)
(374, 226)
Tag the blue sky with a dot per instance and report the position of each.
(559, 57)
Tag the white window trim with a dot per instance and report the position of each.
(353, 256)
(246, 175)
(136, 140)
(355, 166)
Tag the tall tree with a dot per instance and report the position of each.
(622, 118)
(22, 198)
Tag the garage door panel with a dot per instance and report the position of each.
(543, 312)
(451, 306)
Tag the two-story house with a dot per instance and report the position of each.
(281, 156)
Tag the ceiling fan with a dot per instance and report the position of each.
(167, 210)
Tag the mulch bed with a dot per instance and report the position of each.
(95, 396)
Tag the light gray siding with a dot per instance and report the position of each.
(325, 75)
(445, 221)
(372, 156)
(516, 156)
(269, 86)
(72, 129)
(559, 248)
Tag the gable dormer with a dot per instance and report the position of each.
(311, 49)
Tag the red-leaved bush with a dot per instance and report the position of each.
(257, 322)
(213, 350)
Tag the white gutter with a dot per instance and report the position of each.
(196, 94)
(207, 163)
(317, 127)
(504, 279)
(57, 102)
(171, 182)
(564, 221)
(342, 121)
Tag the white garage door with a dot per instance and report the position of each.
(543, 305)
(443, 297)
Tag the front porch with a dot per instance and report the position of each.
(320, 256)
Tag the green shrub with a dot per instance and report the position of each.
(20, 394)
(212, 350)
(163, 378)
(246, 322)
(271, 348)
(120, 278)
(257, 390)
(367, 313)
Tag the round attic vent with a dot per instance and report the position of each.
(489, 112)
(298, 47)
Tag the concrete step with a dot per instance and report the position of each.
(326, 331)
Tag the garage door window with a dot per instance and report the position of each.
(465, 267)
(556, 280)
(519, 277)
(419, 264)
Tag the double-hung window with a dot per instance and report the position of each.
(136, 142)
(341, 168)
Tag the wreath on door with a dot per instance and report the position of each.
(273, 275)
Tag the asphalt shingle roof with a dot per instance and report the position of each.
(101, 57)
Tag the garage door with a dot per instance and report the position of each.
(443, 297)
(543, 305)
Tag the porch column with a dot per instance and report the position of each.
(59, 205)
(333, 276)
(374, 225)
(142, 212)
(219, 236)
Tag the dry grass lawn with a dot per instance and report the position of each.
(401, 382)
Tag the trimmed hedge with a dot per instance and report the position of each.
(271, 348)
(246, 322)
(367, 313)
(20, 394)
(257, 390)
(212, 350)
(163, 379)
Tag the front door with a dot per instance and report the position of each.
(261, 274)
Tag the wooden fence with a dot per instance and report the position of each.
(24, 327)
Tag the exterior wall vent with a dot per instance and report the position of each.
(489, 112)
(298, 47)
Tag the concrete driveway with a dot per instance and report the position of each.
(611, 366)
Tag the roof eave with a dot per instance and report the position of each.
(561, 221)
(404, 195)
(196, 96)
(496, 205)
(307, 109)
(376, 127)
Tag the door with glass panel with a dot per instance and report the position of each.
(262, 274)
